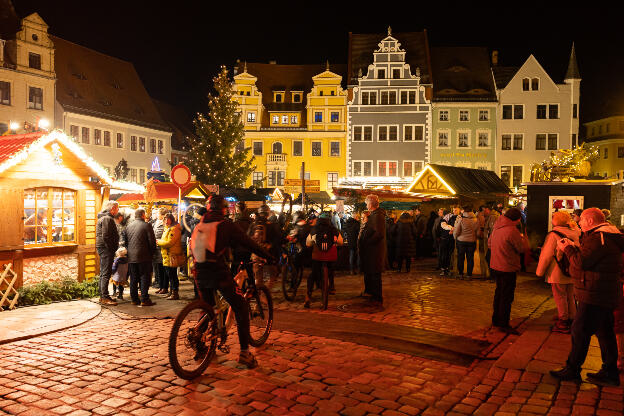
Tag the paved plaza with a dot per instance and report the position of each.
(429, 351)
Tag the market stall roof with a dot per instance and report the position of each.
(372, 182)
(246, 194)
(383, 194)
(16, 148)
(167, 192)
(578, 182)
(321, 198)
(452, 180)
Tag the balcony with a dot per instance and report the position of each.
(276, 161)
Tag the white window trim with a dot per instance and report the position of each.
(479, 115)
(513, 112)
(253, 142)
(339, 115)
(448, 118)
(254, 117)
(296, 117)
(512, 165)
(513, 140)
(459, 120)
(538, 104)
(362, 126)
(387, 166)
(273, 118)
(123, 140)
(548, 111)
(339, 148)
(539, 83)
(312, 146)
(469, 139)
(448, 138)
(489, 133)
(398, 139)
(327, 179)
(415, 91)
(285, 117)
(292, 96)
(414, 172)
(413, 133)
(353, 162)
(314, 116)
(398, 98)
(550, 150)
(302, 148)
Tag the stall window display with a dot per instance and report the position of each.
(49, 216)
(564, 203)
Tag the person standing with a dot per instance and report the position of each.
(447, 241)
(596, 269)
(106, 244)
(141, 244)
(435, 234)
(465, 233)
(404, 235)
(372, 245)
(420, 228)
(172, 254)
(352, 229)
(507, 245)
(492, 216)
(548, 266)
(390, 243)
(160, 276)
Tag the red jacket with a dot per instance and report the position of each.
(506, 245)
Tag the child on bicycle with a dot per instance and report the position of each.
(324, 239)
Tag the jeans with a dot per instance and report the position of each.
(172, 277)
(160, 276)
(353, 258)
(446, 250)
(408, 263)
(106, 269)
(140, 274)
(465, 249)
(372, 285)
(503, 297)
(590, 320)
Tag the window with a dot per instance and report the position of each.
(277, 148)
(541, 111)
(525, 84)
(411, 168)
(443, 139)
(362, 133)
(384, 98)
(275, 120)
(141, 144)
(335, 116)
(35, 98)
(517, 175)
(107, 139)
(518, 112)
(318, 117)
(412, 97)
(97, 136)
(34, 60)
(392, 98)
(316, 148)
(373, 97)
(364, 98)
(321, 93)
(396, 73)
(413, 133)
(298, 148)
(152, 145)
(257, 179)
(606, 153)
(257, 148)
(574, 141)
(393, 133)
(120, 141)
(285, 119)
(296, 98)
(506, 142)
(294, 119)
(133, 175)
(444, 115)
(251, 117)
(161, 146)
(553, 111)
(517, 141)
(133, 143)
(484, 139)
(383, 133)
(381, 73)
(620, 152)
(574, 110)
(407, 133)
(357, 133)
(540, 142)
(74, 131)
(507, 112)
(505, 174)
(141, 175)
(49, 215)
(535, 84)
(276, 178)
(404, 97)
(5, 93)
(85, 135)
(463, 140)
(362, 168)
(368, 133)
(464, 115)
(386, 168)
(332, 180)
(278, 98)
(553, 141)
(484, 115)
(334, 149)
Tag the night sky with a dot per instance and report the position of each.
(177, 48)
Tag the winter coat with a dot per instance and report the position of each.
(507, 245)
(170, 246)
(120, 270)
(489, 224)
(466, 228)
(159, 228)
(352, 229)
(242, 221)
(547, 266)
(372, 243)
(596, 266)
(435, 231)
(404, 235)
(106, 234)
(618, 314)
(140, 241)
(420, 225)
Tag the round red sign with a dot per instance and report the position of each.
(180, 175)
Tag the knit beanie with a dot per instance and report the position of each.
(513, 214)
(560, 218)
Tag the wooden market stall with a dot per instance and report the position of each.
(166, 193)
(51, 192)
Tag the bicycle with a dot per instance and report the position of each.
(292, 274)
(324, 286)
(200, 329)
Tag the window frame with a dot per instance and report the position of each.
(35, 105)
(387, 127)
(117, 137)
(331, 116)
(294, 153)
(483, 110)
(448, 116)
(134, 143)
(31, 56)
(548, 136)
(513, 141)
(142, 144)
(448, 141)
(544, 109)
(387, 162)
(362, 162)
(478, 141)
(413, 130)
(5, 92)
(318, 119)
(459, 116)
(469, 140)
(97, 137)
(312, 143)
(251, 116)
(412, 163)
(253, 147)
(254, 180)
(49, 226)
(160, 146)
(331, 150)
(330, 188)
(545, 140)
(106, 138)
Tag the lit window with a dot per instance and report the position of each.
(251, 117)
(294, 119)
(49, 215)
(120, 141)
(285, 119)
(334, 149)
(275, 120)
(335, 116)
(318, 117)
(332, 180)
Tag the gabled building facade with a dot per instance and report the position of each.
(608, 135)
(464, 108)
(293, 114)
(389, 111)
(536, 116)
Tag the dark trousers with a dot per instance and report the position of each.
(140, 274)
(353, 258)
(407, 260)
(446, 250)
(160, 276)
(372, 285)
(503, 297)
(238, 304)
(172, 277)
(465, 250)
(590, 320)
(317, 274)
(106, 269)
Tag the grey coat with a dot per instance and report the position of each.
(140, 242)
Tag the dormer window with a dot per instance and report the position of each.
(321, 93)
(296, 97)
(278, 96)
(333, 92)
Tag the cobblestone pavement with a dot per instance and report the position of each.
(113, 365)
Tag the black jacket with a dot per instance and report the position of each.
(372, 243)
(106, 234)
(352, 229)
(140, 241)
(404, 235)
(273, 234)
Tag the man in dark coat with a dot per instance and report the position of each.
(596, 268)
(404, 236)
(372, 245)
(352, 229)
(420, 226)
(141, 244)
(106, 243)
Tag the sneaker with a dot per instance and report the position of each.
(566, 374)
(148, 303)
(247, 359)
(107, 301)
(603, 377)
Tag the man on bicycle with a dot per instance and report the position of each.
(323, 239)
(216, 234)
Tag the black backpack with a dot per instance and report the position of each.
(324, 239)
(564, 262)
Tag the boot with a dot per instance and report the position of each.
(173, 295)
(604, 377)
(567, 374)
(620, 344)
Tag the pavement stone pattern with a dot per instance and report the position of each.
(117, 365)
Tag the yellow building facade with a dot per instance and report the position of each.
(293, 114)
(608, 135)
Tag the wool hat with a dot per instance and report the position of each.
(560, 218)
(513, 214)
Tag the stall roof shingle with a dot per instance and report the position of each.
(466, 180)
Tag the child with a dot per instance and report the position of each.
(120, 272)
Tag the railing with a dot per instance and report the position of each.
(276, 157)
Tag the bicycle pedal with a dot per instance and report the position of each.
(224, 349)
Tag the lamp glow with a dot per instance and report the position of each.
(14, 125)
(44, 124)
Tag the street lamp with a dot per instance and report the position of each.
(44, 124)
(14, 125)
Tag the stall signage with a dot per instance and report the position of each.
(213, 189)
(297, 182)
(297, 189)
(180, 175)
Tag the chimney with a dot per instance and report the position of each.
(494, 58)
(272, 62)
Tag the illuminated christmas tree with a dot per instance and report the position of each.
(218, 156)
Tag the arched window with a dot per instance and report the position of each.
(277, 147)
(525, 84)
(535, 84)
(49, 216)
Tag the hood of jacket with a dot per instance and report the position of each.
(103, 214)
(504, 221)
(610, 231)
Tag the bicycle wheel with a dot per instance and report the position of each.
(290, 281)
(325, 287)
(260, 316)
(193, 340)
